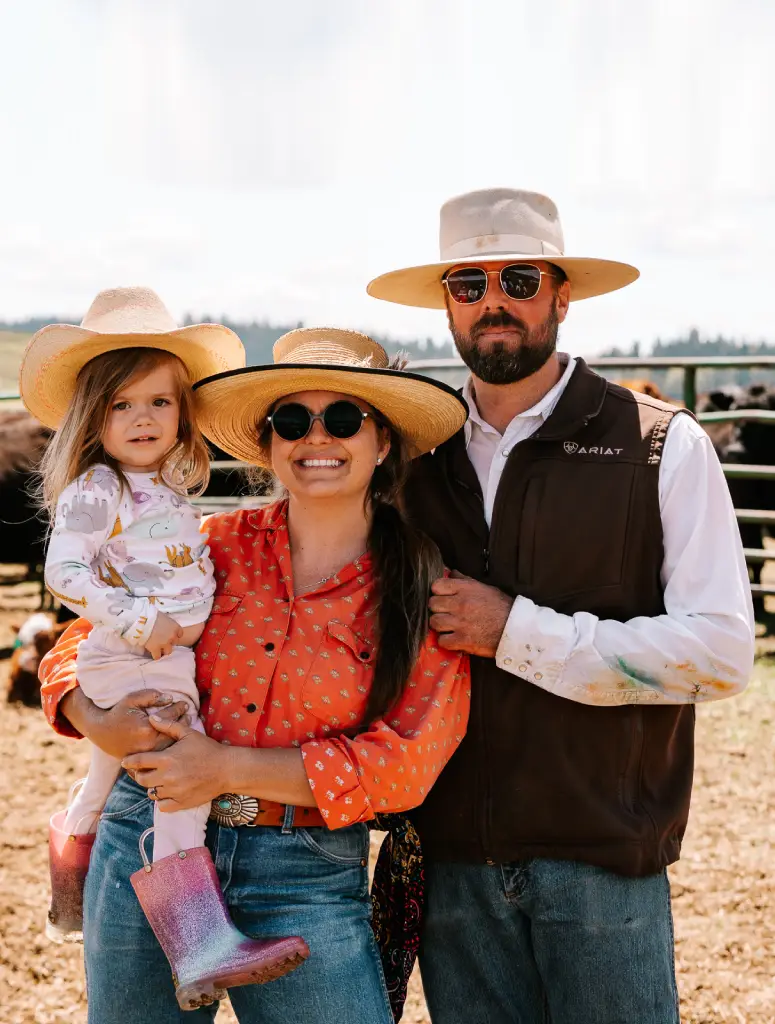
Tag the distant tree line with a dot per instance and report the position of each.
(29, 326)
(258, 337)
(671, 381)
(694, 345)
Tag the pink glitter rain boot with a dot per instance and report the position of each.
(182, 899)
(68, 856)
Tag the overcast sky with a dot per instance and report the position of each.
(266, 160)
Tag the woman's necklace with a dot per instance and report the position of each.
(319, 583)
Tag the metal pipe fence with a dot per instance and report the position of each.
(689, 364)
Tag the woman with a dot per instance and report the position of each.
(329, 697)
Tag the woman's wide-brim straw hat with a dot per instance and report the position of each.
(232, 407)
(118, 318)
(493, 225)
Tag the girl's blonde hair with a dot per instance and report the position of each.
(77, 444)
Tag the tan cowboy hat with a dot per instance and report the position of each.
(118, 318)
(232, 407)
(498, 224)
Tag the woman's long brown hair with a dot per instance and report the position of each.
(77, 444)
(406, 562)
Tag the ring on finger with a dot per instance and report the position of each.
(152, 793)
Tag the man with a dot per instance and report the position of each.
(602, 591)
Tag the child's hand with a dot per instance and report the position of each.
(162, 639)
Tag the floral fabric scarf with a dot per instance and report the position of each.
(398, 903)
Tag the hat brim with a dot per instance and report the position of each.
(56, 354)
(231, 406)
(422, 286)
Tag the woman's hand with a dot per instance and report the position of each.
(125, 728)
(189, 773)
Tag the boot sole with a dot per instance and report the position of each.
(206, 990)
(61, 935)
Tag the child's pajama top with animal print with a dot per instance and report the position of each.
(117, 557)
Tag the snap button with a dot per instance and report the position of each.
(523, 668)
(538, 675)
(269, 646)
(251, 708)
(507, 661)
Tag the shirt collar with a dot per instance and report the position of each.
(542, 409)
(270, 517)
(273, 519)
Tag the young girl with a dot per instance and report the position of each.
(127, 554)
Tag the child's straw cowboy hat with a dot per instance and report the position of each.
(118, 318)
(232, 407)
(493, 225)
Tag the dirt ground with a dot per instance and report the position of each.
(723, 888)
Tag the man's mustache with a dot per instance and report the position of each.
(497, 319)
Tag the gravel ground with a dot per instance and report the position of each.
(723, 889)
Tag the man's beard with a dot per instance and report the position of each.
(506, 362)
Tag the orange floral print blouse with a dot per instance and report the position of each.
(275, 670)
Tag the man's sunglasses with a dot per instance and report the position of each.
(520, 281)
(294, 421)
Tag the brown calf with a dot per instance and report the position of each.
(36, 636)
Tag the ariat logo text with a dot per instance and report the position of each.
(573, 449)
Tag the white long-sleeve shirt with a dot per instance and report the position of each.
(119, 557)
(701, 648)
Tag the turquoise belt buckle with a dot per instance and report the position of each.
(231, 809)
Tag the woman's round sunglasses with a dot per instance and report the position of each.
(294, 421)
(520, 281)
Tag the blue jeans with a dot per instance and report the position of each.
(547, 942)
(309, 882)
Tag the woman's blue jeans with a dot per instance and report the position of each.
(309, 882)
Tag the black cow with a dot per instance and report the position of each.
(22, 524)
(751, 443)
(226, 483)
